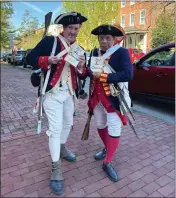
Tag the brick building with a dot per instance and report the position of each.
(137, 18)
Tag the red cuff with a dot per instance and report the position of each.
(43, 62)
(103, 77)
(83, 73)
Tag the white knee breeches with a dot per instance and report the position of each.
(59, 108)
(111, 120)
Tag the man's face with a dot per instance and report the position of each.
(71, 31)
(106, 41)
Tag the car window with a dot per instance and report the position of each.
(166, 57)
(21, 52)
(137, 51)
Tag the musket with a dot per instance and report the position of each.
(39, 126)
(85, 134)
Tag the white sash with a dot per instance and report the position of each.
(66, 50)
(97, 63)
(110, 51)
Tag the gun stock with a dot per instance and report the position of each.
(85, 134)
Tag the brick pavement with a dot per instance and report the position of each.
(146, 166)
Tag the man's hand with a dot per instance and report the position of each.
(81, 63)
(96, 74)
(53, 60)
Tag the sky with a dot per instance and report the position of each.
(36, 8)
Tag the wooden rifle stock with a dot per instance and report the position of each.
(85, 134)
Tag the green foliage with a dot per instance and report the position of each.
(6, 14)
(163, 32)
(28, 24)
(97, 12)
(30, 41)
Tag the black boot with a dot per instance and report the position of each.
(67, 154)
(57, 180)
(111, 172)
(100, 155)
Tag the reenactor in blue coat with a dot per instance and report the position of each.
(109, 64)
(61, 89)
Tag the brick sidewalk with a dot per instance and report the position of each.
(145, 166)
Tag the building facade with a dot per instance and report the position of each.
(137, 18)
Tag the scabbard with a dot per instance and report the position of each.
(130, 123)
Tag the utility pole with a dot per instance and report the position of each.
(11, 36)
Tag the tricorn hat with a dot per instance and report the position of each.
(108, 30)
(70, 18)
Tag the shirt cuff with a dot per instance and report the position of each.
(43, 62)
(103, 77)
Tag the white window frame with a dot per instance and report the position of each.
(123, 25)
(132, 2)
(141, 17)
(123, 3)
(130, 19)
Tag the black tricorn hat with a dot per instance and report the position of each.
(107, 30)
(70, 18)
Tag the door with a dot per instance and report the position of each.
(156, 74)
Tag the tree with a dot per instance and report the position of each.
(164, 31)
(6, 13)
(28, 24)
(97, 13)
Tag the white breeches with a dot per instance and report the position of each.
(59, 108)
(110, 120)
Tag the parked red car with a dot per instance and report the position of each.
(135, 54)
(154, 74)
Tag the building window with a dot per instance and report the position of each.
(122, 21)
(142, 17)
(131, 19)
(132, 2)
(123, 3)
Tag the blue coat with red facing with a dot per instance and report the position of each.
(38, 58)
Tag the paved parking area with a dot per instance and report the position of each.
(146, 166)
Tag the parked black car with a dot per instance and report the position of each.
(24, 61)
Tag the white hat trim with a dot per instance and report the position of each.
(66, 14)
